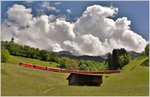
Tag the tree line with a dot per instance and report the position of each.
(12, 48)
(115, 60)
(27, 51)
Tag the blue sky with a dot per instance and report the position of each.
(82, 27)
(136, 11)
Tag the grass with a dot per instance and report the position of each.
(17, 60)
(18, 81)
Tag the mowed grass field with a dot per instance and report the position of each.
(22, 81)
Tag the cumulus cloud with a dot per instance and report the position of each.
(19, 15)
(111, 33)
(94, 33)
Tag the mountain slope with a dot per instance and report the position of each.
(83, 57)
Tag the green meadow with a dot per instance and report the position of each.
(22, 81)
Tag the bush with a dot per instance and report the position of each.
(124, 59)
(45, 55)
(53, 57)
(72, 64)
(83, 67)
(62, 62)
(5, 55)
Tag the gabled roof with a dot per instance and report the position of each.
(83, 74)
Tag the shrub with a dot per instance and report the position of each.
(62, 62)
(72, 64)
(83, 67)
(5, 55)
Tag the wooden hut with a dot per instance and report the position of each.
(82, 79)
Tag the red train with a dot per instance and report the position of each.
(68, 71)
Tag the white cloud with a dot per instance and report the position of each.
(90, 43)
(111, 34)
(69, 11)
(19, 15)
(48, 6)
(56, 47)
(29, 1)
(57, 3)
(92, 34)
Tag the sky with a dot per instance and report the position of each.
(82, 27)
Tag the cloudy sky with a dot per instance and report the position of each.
(82, 27)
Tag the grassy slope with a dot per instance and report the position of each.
(17, 60)
(17, 80)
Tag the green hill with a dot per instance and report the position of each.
(18, 80)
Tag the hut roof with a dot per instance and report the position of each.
(83, 75)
